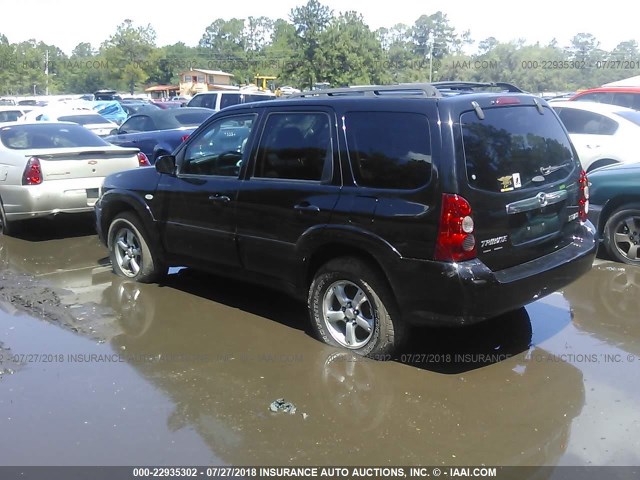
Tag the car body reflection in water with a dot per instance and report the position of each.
(223, 351)
(606, 304)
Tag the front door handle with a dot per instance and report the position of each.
(217, 198)
(306, 208)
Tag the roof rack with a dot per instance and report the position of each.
(467, 86)
(411, 89)
(435, 89)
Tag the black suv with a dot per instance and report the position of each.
(381, 206)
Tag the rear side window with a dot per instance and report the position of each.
(515, 147)
(627, 99)
(256, 98)
(586, 123)
(229, 99)
(295, 146)
(389, 149)
(600, 97)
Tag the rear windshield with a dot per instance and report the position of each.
(631, 116)
(48, 135)
(515, 147)
(10, 115)
(84, 119)
(186, 118)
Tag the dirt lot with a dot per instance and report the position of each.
(97, 370)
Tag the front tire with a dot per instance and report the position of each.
(622, 234)
(131, 253)
(352, 306)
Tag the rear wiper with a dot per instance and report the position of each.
(550, 169)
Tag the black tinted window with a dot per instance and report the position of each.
(295, 146)
(600, 97)
(220, 149)
(627, 99)
(140, 123)
(22, 137)
(229, 99)
(207, 100)
(514, 147)
(256, 98)
(187, 118)
(10, 115)
(586, 123)
(83, 119)
(389, 149)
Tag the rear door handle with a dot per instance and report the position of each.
(217, 198)
(306, 208)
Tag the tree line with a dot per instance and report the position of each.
(313, 45)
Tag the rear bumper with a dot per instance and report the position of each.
(438, 293)
(50, 198)
(594, 217)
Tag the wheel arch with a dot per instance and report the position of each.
(602, 162)
(612, 205)
(331, 245)
(114, 203)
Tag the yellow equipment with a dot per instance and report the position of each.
(261, 81)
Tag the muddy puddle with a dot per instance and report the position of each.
(105, 371)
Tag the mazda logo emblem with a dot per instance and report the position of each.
(542, 198)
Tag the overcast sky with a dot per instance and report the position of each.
(65, 23)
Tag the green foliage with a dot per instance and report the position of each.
(314, 45)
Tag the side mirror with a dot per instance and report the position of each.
(166, 164)
(115, 131)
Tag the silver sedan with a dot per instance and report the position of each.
(48, 168)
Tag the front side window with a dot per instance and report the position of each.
(219, 149)
(295, 146)
(389, 149)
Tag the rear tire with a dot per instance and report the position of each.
(351, 306)
(130, 250)
(622, 234)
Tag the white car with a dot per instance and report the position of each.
(84, 116)
(48, 168)
(602, 134)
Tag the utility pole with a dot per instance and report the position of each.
(46, 71)
(431, 62)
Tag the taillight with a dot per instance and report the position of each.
(456, 241)
(143, 161)
(184, 137)
(506, 101)
(32, 172)
(583, 203)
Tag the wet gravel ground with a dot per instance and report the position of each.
(98, 370)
